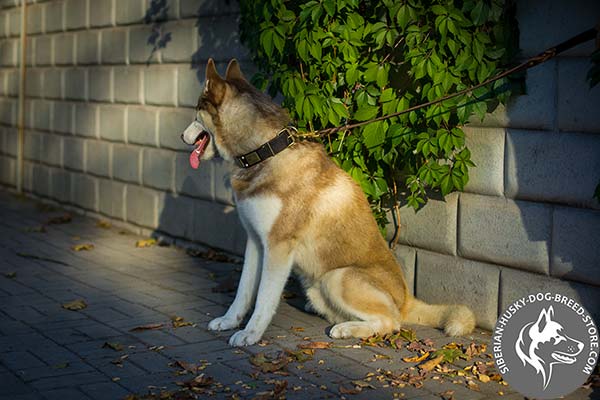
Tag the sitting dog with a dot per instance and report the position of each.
(301, 212)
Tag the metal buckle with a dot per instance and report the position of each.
(251, 158)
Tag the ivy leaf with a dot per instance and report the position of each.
(366, 112)
(373, 135)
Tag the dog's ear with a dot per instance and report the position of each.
(544, 318)
(234, 71)
(214, 85)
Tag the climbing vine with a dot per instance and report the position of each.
(343, 61)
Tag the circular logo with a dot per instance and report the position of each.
(545, 345)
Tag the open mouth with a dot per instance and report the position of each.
(563, 358)
(200, 146)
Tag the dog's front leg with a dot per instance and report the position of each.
(277, 265)
(246, 292)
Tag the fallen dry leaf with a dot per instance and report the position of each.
(58, 220)
(301, 355)
(113, 345)
(178, 322)
(483, 378)
(61, 365)
(473, 386)
(408, 334)
(147, 327)
(187, 367)
(297, 328)
(363, 384)
(145, 243)
(431, 364)
(354, 390)
(198, 382)
(83, 246)
(11, 275)
(103, 224)
(416, 359)
(447, 395)
(315, 345)
(265, 364)
(75, 305)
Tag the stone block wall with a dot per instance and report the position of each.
(104, 114)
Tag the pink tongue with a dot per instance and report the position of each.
(198, 151)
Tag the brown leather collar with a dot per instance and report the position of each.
(283, 140)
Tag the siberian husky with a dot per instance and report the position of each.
(303, 213)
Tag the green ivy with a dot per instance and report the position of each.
(338, 62)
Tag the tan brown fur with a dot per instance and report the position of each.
(350, 275)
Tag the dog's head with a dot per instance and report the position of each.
(544, 343)
(232, 117)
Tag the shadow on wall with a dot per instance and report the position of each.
(551, 167)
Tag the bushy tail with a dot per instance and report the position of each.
(455, 320)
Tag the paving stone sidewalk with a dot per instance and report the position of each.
(49, 352)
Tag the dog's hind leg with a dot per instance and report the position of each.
(354, 294)
(318, 304)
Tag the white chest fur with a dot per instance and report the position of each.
(260, 213)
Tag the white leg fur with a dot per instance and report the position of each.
(246, 292)
(275, 272)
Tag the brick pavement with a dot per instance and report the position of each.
(48, 352)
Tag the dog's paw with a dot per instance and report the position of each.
(222, 324)
(340, 331)
(244, 338)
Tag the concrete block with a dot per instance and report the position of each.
(52, 149)
(101, 13)
(98, 157)
(29, 113)
(86, 120)
(575, 251)
(157, 168)
(196, 183)
(114, 49)
(551, 167)
(141, 206)
(576, 109)
(112, 123)
(14, 22)
(516, 284)
(7, 112)
(130, 11)
(32, 146)
(75, 83)
(175, 215)
(160, 85)
(223, 192)
(35, 22)
(76, 14)
(41, 113)
(63, 117)
(433, 227)
(60, 185)
(126, 163)
(515, 233)
(87, 47)
(31, 53)
(140, 52)
(27, 181)
(10, 141)
(100, 82)
(536, 109)
(407, 257)
(141, 125)
(128, 84)
(34, 82)
(84, 191)
(183, 41)
(189, 85)
(557, 21)
(44, 50)
(112, 198)
(54, 16)
(64, 45)
(227, 45)
(7, 171)
(218, 226)
(443, 279)
(74, 154)
(12, 82)
(195, 8)
(171, 124)
(8, 52)
(40, 175)
(52, 88)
